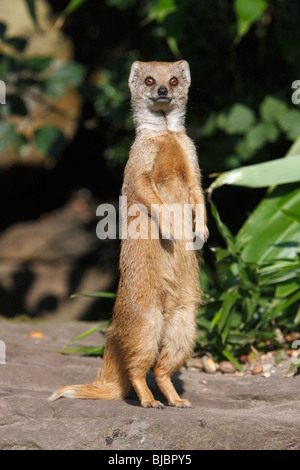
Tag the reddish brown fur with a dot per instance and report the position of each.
(154, 318)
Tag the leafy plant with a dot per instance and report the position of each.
(33, 81)
(252, 133)
(253, 290)
(247, 12)
(85, 351)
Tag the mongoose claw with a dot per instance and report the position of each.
(181, 403)
(153, 404)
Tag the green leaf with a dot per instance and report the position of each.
(54, 89)
(229, 301)
(109, 295)
(260, 134)
(251, 306)
(7, 134)
(291, 214)
(220, 253)
(83, 351)
(65, 73)
(49, 141)
(281, 171)
(161, 9)
(241, 339)
(209, 125)
(69, 73)
(278, 271)
(173, 45)
(72, 6)
(247, 12)
(278, 307)
(239, 119)
(290, 123)
(224, 230)
(272, 108)
(37, 63)
(287, 288)
(294, 149)
(270, 232)
(231, 358)
(89, 332)
(291, 371)
(297, 317)
(244, 151)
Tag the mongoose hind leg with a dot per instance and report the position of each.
(143, 392)
(176, 345)
(141, 353)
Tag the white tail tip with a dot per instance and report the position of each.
(68, 393)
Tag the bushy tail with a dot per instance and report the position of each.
(112, 382)
(89, 392)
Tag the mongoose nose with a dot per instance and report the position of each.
(162, 91)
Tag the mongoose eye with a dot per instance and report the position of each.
(173, 81)
(149, 81)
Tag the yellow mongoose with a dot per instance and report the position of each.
(154, 317)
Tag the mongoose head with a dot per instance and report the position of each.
(159, 87)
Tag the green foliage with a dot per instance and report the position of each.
(7, 134)
(278, 171)
(108, 295)
(72, 6)
(247, 12)
(41, 79)
(253, 132)
(61, 75)
(85, 351)
(170, 17)
(254, 287)
(49, 140)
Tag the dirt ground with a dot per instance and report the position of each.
(249, 412)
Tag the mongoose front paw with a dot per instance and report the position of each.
(202, 233)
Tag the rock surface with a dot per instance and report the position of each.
(249, 412)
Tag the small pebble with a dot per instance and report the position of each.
(243, 359)
(209, 365)
(267, 367)
(257, 369)
(36, 334)
(227, 367)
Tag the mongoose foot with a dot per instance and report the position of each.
(152, 404)
(181, 403)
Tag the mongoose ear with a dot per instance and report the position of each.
(185, 71)
(134, 73)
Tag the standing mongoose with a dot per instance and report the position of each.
(154, 316)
